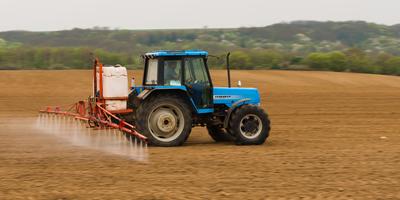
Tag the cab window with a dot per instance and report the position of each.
(152, 72)
(172, 72)
(198, 82)
(195, 72)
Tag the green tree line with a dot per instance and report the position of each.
(351, 60)
(59, 58)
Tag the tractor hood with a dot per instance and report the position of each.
(228, 96)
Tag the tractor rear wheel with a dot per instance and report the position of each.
(250, 125)
(219, 134)
(165, 120)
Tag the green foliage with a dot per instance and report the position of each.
(353, 46)
(355, 60)
(335, 61)
(392, 66)
(358, 61)
(59, 58)
(241, 60)
(266, 58)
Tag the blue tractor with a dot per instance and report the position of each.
(177, 94)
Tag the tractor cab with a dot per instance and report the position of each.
(183, 70)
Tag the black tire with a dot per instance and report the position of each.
(146, 115)
(219, 134)
(246, 121)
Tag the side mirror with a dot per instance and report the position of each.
(239, 83)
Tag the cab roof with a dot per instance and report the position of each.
(162, 53)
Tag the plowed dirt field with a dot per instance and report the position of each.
(334, 136)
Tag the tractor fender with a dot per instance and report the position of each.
(150, 92)
(145, 93)
(234, 106)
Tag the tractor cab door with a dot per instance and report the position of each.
(198, 82)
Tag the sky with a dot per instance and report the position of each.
(50, 15)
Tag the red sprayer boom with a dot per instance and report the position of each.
(93, 113)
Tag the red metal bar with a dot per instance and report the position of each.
(115, 98)
(122, 124)
(126, 111)
(95, 77)
(82, 118)
(80, 108)
(115, 117)
(101, 81)
(59, 113)
(124, 129)
(100, 118)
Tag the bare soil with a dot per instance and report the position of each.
(334, 136)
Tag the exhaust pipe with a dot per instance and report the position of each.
(228, 68)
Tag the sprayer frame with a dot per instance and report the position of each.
(94, 112)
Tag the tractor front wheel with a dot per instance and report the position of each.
(165, 120)
(250, 125)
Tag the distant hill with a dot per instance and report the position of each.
(298, 36)
(354, 46)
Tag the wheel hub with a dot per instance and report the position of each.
(250, 126)
(166, 122)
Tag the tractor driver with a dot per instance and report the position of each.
(172, 69)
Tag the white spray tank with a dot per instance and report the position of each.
(115, 87)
